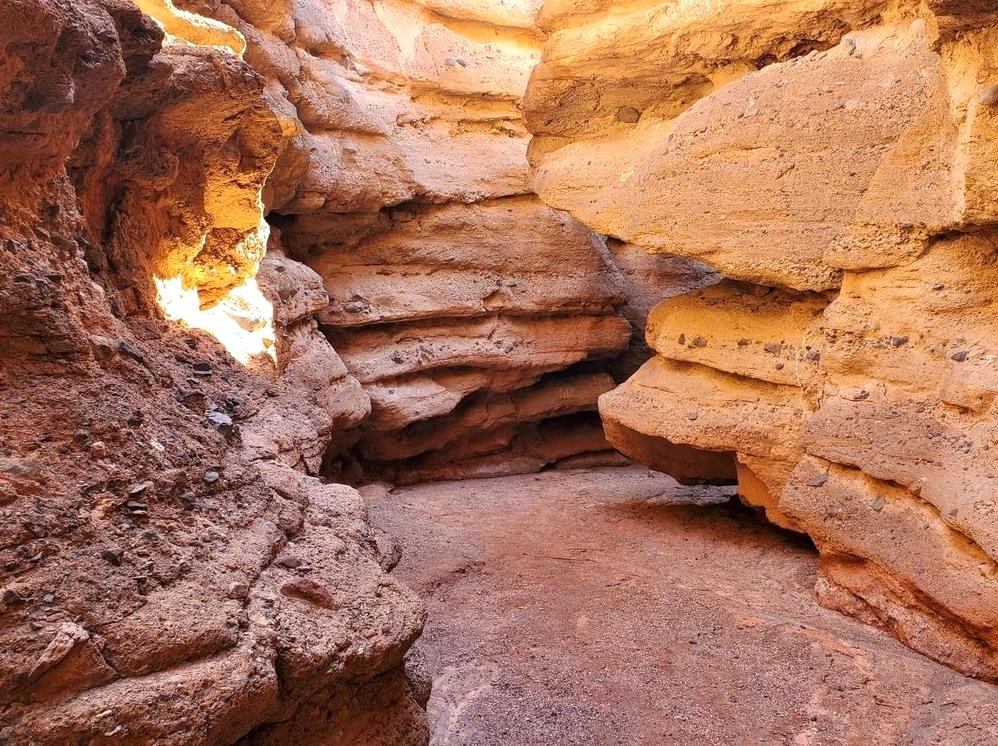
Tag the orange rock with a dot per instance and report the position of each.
(836, 162)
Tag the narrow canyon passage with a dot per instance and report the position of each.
(613, 606)
(349, 350)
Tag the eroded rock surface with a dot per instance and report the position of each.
(835, 162)
(178, 370)
(453, 291)
(172, 570)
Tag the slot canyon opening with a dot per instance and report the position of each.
(524, 372)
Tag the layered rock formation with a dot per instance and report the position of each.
(171, 570)
(473, 316)
(245, 244)
(835, 161)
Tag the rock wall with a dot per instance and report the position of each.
(177, 371)
(475, 318)
(835, 162)
(171, 570)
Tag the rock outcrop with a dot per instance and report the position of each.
(172, 570)
(247, 244)
(835, 162)
(457, 299)
(249, 247)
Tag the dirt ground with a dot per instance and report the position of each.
(612, 606)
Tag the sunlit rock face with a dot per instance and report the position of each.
(171, 570)
(835, 162)
(453, 291)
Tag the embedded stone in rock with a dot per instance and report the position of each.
(628, 114)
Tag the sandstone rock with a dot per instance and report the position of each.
(646, 280)
(137, 561)
(469, 260)
(555, 396)
(660, 58)
(835, 162)
(404, 185)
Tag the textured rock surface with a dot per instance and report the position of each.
(171, 571)
(610, 606)
(165, 537)
(404, 184)
(835, 161)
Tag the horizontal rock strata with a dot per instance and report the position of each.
(834, 161)
(404, 184)
(173, 570)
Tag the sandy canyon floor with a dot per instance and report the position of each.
(613, 606)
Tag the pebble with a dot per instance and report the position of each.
(357, 304)
(959, 356)
(878, 503)
(81, 436)
(113, 556)
(138, 488)
(628, 115)
(194, 399)
(220, 420)
(239, 591)
(98, 449)
(202, 369)
(813, 355)
(699, 341)
(290, 562)
(692, 415)
(774, 348)
(211, 476)
(817, 481)
(126, 348)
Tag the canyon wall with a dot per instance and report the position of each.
(835, 162)
(171, 569)
(247, 245)
(477, 320)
